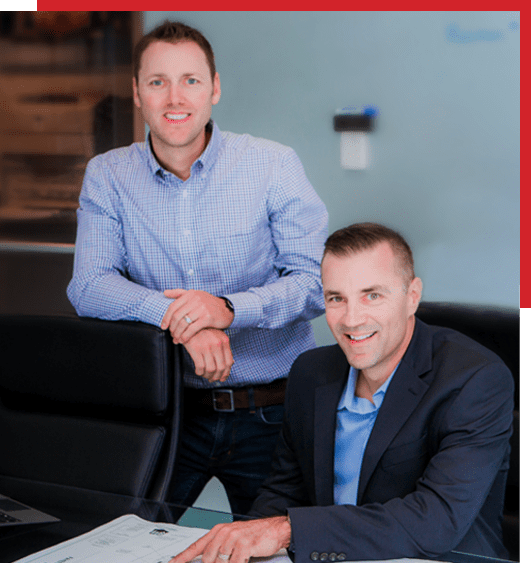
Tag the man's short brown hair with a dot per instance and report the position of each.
(363, 236)
(173, 32)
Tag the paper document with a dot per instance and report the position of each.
(131, 539)
(124, 540)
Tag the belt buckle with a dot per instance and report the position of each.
(231, 395)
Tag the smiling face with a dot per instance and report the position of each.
(176, 92)
(370, 307)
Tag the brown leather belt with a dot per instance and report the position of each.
(228, 400)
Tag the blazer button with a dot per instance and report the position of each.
(332, 557)
(314, 556)
(323, 556)
(341, 557)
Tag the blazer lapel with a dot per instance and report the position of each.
(326, 399)
(403, 394)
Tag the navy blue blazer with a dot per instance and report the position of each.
(433, 473)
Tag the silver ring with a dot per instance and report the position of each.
(223, 556)
(188, 320)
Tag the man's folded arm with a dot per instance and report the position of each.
(299, 227)
(100, 286)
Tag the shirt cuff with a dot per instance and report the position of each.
(248, 310)
(291, 547)
(154, 308)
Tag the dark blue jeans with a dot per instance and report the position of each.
(236, 447)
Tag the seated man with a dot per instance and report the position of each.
(395, 443)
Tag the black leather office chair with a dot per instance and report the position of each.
(88, 403)
(499, 330)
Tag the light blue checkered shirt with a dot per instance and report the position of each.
(247, 225)
(354, 423)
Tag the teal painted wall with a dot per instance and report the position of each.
(445, 152)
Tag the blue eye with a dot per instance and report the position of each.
(373, 296)
(156, 82)
(191, 80)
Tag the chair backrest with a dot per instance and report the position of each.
(498, 329)
(88, 403)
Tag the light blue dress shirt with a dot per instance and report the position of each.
(246, 225)
(354, 422)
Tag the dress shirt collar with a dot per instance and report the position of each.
(209, 156)
(350, 402)
(205, 160)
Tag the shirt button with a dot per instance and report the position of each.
(190, 272)
(314, 556)
(187, 232)
(341, 557)
(185, 193)
(332, 557)
(323, 556)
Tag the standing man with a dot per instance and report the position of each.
(396, 440)
(216, 237)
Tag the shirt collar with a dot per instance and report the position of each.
(153, 164)
(209, 156)
(349, 400)
(205, 160)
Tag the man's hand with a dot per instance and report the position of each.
(192, 311)
(237, 542)
(211, 354)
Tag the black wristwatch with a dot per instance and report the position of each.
(228, 304)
